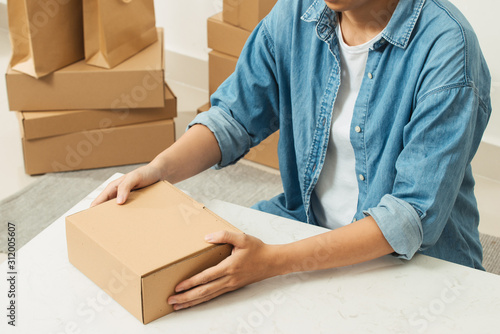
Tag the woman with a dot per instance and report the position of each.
(381, 106)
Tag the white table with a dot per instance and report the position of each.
(387, 295)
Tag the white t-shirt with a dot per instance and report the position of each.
(335, 197)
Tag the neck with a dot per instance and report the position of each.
(360, 25)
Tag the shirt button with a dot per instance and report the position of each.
(370, 75)
(324, 121)
(314, 167)
(357, 129)
(361, 177)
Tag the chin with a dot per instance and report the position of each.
(337, 5)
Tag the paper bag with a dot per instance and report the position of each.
(46, 35)
(115, 30)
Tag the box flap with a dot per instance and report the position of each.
(158, 226)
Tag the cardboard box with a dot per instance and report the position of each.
(102, 147)
(220, 67)
(266, 153)
(224, 37)
(139, 252)
(135, 83)
(203, 108)
(246, 13)
(41, 124)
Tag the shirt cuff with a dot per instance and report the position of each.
(400, 224)
(234, 141)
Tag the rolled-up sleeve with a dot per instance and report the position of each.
(245, 107)
(439, 143)
(405, 236)
(231, 135)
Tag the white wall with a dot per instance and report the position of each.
(482, 14)
(3, 14)
(185, 23)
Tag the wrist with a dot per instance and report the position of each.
(279, 259)
(158, 169)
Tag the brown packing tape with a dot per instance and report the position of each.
(105, 147)
(158, 253)
(41, 124)
(135, 83)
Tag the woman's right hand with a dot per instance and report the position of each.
(121, 188)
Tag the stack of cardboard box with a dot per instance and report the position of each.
(83, 116)
(227, 34)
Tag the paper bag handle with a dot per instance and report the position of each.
(126, 1)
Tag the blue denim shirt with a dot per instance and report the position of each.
(421, 111)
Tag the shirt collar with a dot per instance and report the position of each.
(397, 32)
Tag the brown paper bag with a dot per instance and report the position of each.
(115, 30)
(45, 35)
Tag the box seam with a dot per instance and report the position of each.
(184, 259)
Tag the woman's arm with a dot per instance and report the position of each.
(194, 152)
(252, 260)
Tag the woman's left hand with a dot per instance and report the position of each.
(250, 261)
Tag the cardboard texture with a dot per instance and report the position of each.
(135, 83)
(246, 13)
(266, 153)
(102, 147)
(117, 30)
(41, 124)
(220, 67)
(138, 252)
(224, 37)
(45, 35)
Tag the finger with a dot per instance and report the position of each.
(206, 276)
(108, 193)
(200, 293)
(226, 237)
(129, 182)
(181, 306)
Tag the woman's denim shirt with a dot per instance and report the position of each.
(418, 120)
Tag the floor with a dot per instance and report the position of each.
(184, 85)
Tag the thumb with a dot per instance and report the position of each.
(225, 237)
